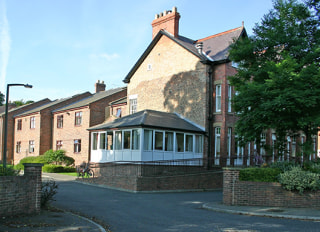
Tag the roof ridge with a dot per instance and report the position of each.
(219, 34)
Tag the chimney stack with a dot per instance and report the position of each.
(199, 47)
(167, 20)
(100, 86)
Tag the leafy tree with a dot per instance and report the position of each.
(21, 102)
(1, 99)
(278, 79)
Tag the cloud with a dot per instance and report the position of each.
(5, 43)
(105, 56)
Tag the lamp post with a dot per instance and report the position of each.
(6, 122)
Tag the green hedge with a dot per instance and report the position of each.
(259, 174)
(51, 168)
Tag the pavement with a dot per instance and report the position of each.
(62, 221)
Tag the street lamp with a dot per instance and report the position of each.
(6, 122)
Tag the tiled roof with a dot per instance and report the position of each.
(119, 101)
(215, 47)
(151, 119)
(86, 101)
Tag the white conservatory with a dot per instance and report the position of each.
(147, 136)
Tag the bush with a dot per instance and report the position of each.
(51, 168)
(30, 159)
(312, 166)
(58, 157)
(259, 174)
(48, 190)
(284, 165)
(8, 171)
(297, 179)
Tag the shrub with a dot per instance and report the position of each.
(30, 159)
(51, 168)
(283, 166)
(8, 171)
(312, 167)
(48, 190)
(297, 179)
(259, 174)
(58, 157)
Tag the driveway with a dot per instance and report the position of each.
(156, 212)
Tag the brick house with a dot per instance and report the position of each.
(70, 122)
(33, 128)
(11, 126)
(187, 77)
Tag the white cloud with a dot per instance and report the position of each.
(5, 43)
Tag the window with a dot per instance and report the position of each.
(126, 139)
(158, 143)
(118, 140)
(77, 146)
(189, 143)
(229, 97)
(95, 141)
(59, 144)
(179, 142)
(218, 98)
(102, 141)
(118, 114)
(31, 146)
(199, 144)
(109, 140)
(19, 124)
(148, 140)
(18, 147)
(168, 141)
(135, 140)
(133, 105)
(229, 141)
(32, 122)
(217, 142)
(59, 121)
(78, 118)
(263, 143)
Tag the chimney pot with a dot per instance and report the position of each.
(199, 46)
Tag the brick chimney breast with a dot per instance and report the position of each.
(100, 86)
(167, 20)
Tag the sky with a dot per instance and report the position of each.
(62, 47)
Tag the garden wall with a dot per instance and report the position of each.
(250, 193)
(21, 194)
(138, 178)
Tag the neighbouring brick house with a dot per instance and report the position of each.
(33, 128)
(11, 126)
(70, 122)
(187, 77)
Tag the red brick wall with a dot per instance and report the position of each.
(237, 192)
(132, 177)
(21, 194)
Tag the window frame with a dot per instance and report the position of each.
(18, 147)
(32, 122)
(78, 118)
(19, 124)
(59, 144)
(77, 146)
(60, 121)
(218, 98)
(31, 146)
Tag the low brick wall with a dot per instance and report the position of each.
(160, 178)
(250, 193)
(21, 194)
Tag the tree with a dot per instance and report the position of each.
(21, 102)
(278, 79)
(1, 99)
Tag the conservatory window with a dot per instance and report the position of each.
(135, 140)
(109, 140)
(158, 137)
(179, 142)
(169, 141)
(118, 140)
(147, 140)
(126, 139)
(199, 144)
(102, 141)
(189, 143)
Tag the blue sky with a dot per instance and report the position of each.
(62, 47)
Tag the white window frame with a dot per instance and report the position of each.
(229, 98)
(218, 98)
(133, 103)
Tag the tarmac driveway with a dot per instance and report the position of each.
(140, 212)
